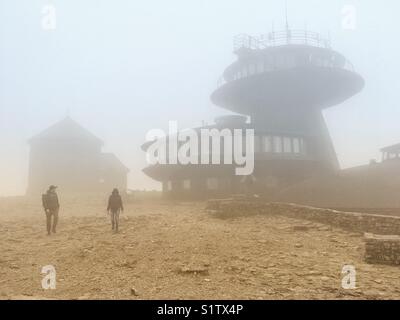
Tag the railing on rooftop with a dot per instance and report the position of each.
(278, 38)
(303, 37)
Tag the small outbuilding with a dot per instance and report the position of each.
(71, 157)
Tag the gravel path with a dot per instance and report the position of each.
(178, 251)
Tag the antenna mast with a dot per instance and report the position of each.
(286, 15)
(288, 33)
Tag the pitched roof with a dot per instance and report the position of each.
(66, 129)
(110, 161)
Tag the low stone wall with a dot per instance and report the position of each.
(352, 221)
(382, 240)
(382, 249)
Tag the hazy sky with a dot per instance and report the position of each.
(123, 67)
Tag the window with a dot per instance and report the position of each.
(257, 144)
(277, 144)
(302, 146)
(296, 145)
(212, 183)
(287, 145)
(186, 184)
(267, 144)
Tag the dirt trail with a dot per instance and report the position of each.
(181, 252)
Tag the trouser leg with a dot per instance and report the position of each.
(112, 220)
(55, 220)
(48, 222)
(116, 220)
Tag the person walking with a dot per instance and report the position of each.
(114, 208)
(51, 207)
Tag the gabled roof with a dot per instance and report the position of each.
(110, 161)
(66, 129)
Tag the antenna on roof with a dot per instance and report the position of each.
(286, 16)
(288, 32)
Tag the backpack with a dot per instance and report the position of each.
(50, 201)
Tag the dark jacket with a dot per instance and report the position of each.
(115, 203)
(50, 201)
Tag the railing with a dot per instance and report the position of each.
(247, 42)
(279, 38)
(244, 41)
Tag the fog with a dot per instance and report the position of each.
(122, 68)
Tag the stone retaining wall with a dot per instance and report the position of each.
(382, 240)
(382, 249)
(352, 221)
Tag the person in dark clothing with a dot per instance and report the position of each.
(114, 208)
(51, 207)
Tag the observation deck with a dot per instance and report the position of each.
(279, 38)
(291, 68)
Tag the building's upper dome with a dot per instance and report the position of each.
(296, 69)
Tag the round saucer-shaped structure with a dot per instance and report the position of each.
(300, 75)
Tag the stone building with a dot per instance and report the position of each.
(69, 156)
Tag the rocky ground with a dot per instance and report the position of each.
(179, 251)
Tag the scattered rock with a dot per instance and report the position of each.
(134, 292)
(194, 271)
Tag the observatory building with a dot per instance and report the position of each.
(278, 86)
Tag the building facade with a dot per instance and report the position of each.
(69, 156)
(280, 83)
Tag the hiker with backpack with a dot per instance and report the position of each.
(114, 208)
(51, 207)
